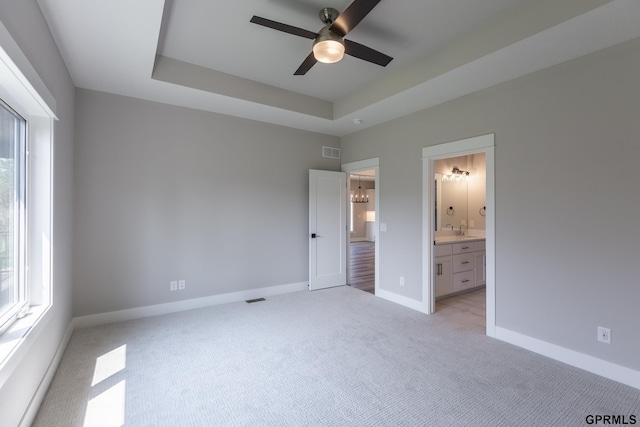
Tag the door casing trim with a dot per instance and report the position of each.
(479, 144)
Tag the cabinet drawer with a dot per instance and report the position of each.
(462, 281)
(463, 262)
(441, 250)
(460, 248)
(480, 245)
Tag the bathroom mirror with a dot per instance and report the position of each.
(451, 209)
(460, 190)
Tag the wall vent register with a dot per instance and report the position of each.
(331, 152)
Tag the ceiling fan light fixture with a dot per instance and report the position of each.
(328, 47)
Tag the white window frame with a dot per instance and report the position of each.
(24, 91)
(20, 235)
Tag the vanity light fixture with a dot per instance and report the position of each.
(456, 175)
(360, 196)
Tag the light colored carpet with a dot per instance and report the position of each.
(336, 357)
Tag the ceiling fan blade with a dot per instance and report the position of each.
(306, 65)
(352, 16)
(289, 29)
(366, 53)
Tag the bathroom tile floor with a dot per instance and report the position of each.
(468, 308)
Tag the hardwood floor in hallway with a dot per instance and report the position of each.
(362, 266)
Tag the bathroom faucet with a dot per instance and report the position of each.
(461, 233)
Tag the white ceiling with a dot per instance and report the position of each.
(206, 54)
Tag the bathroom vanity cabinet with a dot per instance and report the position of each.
(459, 265)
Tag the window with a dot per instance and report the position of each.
(27, 117)
(13, 290)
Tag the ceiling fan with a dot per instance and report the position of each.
(329, 45)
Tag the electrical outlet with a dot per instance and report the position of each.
(173, 285)
(401, 280)
(182, 284)
(604, 335)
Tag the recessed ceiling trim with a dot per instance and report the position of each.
(171, 70)
(585, 34)
(122, 62)
(505, 30)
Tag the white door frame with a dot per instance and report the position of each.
(480, 144)
(359, 166)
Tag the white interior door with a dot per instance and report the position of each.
(327, 229)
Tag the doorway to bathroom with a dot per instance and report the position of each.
(459, 257)
(460, 239)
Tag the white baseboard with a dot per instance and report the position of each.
(32, 410)
(399, 299)
(591, 364)
(190, 304)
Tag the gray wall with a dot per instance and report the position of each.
(28, 28)
(166, 193)
(567, 175)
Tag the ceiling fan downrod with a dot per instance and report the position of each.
(328, 15)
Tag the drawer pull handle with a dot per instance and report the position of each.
(465, 281)
(465, 262)
(465, 247)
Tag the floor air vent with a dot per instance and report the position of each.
(330, 152)
(250, 301)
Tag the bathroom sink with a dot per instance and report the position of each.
(449, 239)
